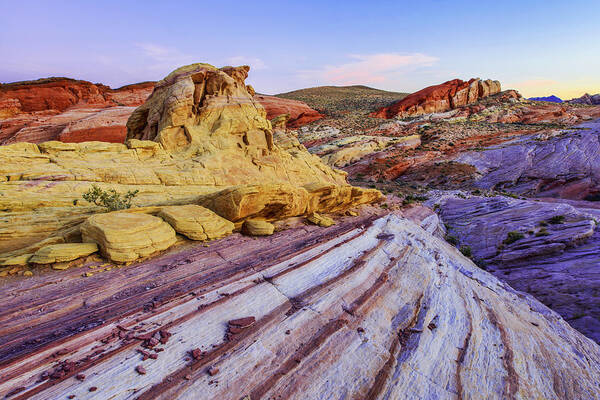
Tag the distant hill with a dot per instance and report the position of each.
(339, 100)
(587, 99)
(552, 99)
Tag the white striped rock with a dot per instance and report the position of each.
(371, 308)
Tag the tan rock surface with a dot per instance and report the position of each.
(124, 237)
(63, 252)
(196, 222)
(257, 227)
(321, 220)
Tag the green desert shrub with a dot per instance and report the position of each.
(557, 219)
(542, 232)
(451, 239)
(466, 251)
(513, 236)
(110, 199)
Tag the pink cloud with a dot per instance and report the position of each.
(370, 68)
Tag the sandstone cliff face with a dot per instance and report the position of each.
(67, 110)
(446, 96)
(373, 309)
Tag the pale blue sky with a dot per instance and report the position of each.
(539, 47)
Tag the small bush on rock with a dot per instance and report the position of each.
(512, 237)
(466, 251)
(110, 199)
(557, 219)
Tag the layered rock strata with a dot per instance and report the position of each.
(439, 98)
(371, 308)
(561, 164)
(548, 249)
(68, 110)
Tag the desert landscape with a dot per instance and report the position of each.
(192, 237)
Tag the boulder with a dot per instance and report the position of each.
(321, 220)
(196, 222)
(268, 201)
(257, 227)
(63, 252)
(125, 237)
(335, 198)
(439, 98)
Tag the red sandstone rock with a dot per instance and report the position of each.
(67, 110)
(242, 322)
(300, 113)
(446, 96)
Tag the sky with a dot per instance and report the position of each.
(537, 47)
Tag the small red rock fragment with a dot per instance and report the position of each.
(287, 332)
(187, 377)
(153, 356)
(212, 371)
(360, 329)
(80, 377)
(242, 322)
(197, 354)
(164, 336)
(235, 329)
(71, 396)
(431, 326)
(93, 389)
(140, 370)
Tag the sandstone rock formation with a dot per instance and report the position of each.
(125, 237)
(299, 112)
(587, 99)
(257, 227)
(204, 139)
(67, 109)
(446, 96)
(553, 255)
(62, 252)
(196, 222)
(370, 309)
(556, 164)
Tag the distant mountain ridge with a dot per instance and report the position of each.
(587, 99)
(551, 99)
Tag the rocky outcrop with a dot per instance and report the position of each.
(548, 249)
(556, 164)
(348, 150)
(199, 139)
(299, 112)
(446, 96)
(68, 110)
(60, 94)
(587, 99)
(370, 309)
